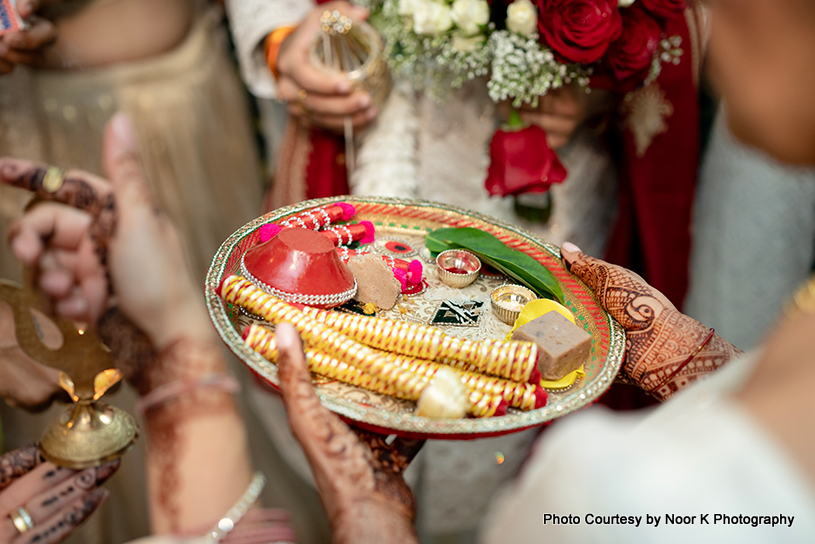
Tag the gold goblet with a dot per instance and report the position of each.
(353, 49)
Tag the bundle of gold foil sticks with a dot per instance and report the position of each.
(395, 358)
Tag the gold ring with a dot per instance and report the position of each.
(53, 180)
(21, 519)
(301, 98)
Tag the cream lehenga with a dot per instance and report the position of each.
(194, 128)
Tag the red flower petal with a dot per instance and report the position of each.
(522, 162)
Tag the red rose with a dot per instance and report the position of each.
(522, 162)
(631, 55)
(667, 9)
(579, 30)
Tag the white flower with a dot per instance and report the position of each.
(466, 44)
(408, 7)
(625, 3)
(431, 17)
(522, 17)
(469, 15)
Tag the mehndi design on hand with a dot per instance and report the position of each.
(78, 190)
(360, 481)
(56, 499)
(94, 196)
(659, 338)
(17, 463)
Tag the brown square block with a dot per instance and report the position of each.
(563, 345)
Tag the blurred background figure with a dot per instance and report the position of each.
(302, 107)
(166, 63)
(753, 237)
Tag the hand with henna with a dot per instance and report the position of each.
(665, 350)
(96, 240)
(87, 248)
(358, 475)
(58, 500)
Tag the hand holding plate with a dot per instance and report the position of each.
(660, 340)
(359, 476)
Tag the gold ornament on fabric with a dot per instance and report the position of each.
(803, 301)
(646, 111)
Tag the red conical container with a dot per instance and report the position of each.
(300, 266)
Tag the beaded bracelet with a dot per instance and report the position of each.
(228, 522)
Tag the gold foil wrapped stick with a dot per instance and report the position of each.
(262, 341)
(237, 290)
(524, 396)
(516, 361)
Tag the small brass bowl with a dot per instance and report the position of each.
(458, 268)
(508, 300)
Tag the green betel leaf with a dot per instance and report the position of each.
(493, 252)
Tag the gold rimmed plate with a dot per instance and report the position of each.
(463, 312)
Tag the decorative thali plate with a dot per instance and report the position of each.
(401, 226)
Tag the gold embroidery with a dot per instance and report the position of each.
(645, 113)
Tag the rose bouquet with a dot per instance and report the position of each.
(526, 49)
(552, 43)
(434, 44)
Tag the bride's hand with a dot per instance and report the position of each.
(116, 220)
(358, 475)
(561, 111)
(662, 345)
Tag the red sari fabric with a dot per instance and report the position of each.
(652, 234)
